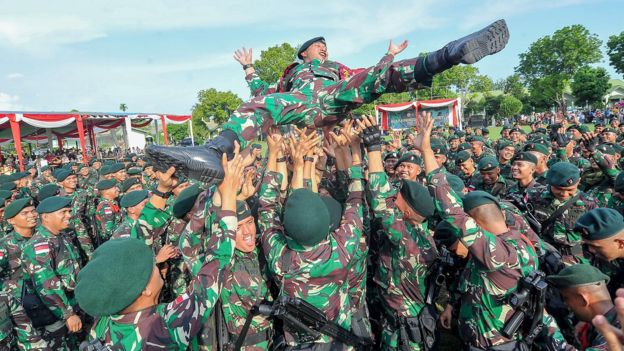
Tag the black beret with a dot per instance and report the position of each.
(16, 206)
(48, 190)
(105, 184)
(307, 44)
(526, 156)
(562, 174)
(62, 174)
(488, 163)
(53, 204)
(577, 275)
(133, 198)
(478, 198)
(417, 197)
(185, 201)
(599, 223)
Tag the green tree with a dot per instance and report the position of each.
(615, 51)
(214, 104)
(273, 61)
(513, 86)
(590, 85)
(556, 59)
(491, 104)
(509, 106)
(547, 92)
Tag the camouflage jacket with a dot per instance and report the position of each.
(124, 230)
(561, 234)
(196, 235)
(108, 216)
(591, 339)
(149, 227)
(11, 247)
(78, 229)
(517, 189)
(406, 252)
(496, 263)
(52, 264)
(317, 274)
(499, 188)
(172, 326)
(244, 285)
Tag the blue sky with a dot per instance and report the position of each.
(156, 55)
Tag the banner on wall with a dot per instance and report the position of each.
(445, 112)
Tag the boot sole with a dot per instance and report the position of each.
(488, 41)
(188, 168)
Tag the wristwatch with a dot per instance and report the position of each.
(281, 159)
(161, 194)
(249, 65)
(308, 159)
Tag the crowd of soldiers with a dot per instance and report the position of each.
(334, 237)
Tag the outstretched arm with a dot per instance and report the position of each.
(257, 86)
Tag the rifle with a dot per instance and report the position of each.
(528, 302)
(307, 321)
(527, 209)
(438, 277)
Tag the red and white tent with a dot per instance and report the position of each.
(32, 127)
(403, 115)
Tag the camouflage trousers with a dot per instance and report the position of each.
(323, 105)
(22, 334)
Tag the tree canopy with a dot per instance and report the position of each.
(615, 51)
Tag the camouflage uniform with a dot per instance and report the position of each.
(319, 274)
(591, 338)
(176, 279)
(499, 188)
(319, 94)
(150, 226)
(505, 170)
(519, 190)
(89, 181)
(562, 235)
(108, 216)
(244, 286)
(541, 178)
(172, 326)
(11, 274)
(495, 265)
(52, 263)
(406, 253)
(77, 230)
(603, 189)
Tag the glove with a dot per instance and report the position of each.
(562, 140)
(371, 137)
(591, 144)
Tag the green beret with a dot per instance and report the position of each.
(116, 167)
(5, 194)
(114, 277)
(610, 130)
(83, 165)
(16, 206)
(453, 137)
(460, 133)
(485, 131)
(462, 157)
(488, 163)
(478, 198)
(134, 171)
(562, 174)
(93, 160)
(409, 158)
(242, 210)
(392, 154)
(516, 130)
(4, 178)
(619, 182)
(53, 204)
(48, 190)
(185, 201)
(439, 146)
(505, 128)
(599, 223)
(504, 143)
(307, 44)
(526, 156)
(62, 174)
(105, 170)
(133, 198)
(19, 175)
(335, 212)
(456, 184)
(129, 183)
(576, 276)
(306, 218)
(606, 149)
(541, 148)
(417, 197)
(464, 146)
(8, 186)
(445, 234)
(478, 138)
(105, 184)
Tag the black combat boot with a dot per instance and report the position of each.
(467, 50)
(201, 163)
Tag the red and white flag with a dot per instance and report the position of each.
(42, 248)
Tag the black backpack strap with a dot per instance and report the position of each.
(558, 212)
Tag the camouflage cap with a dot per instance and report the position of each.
(115, 276)
(562, 174)
(307, 44)
(487, 163)
(16, 206)
(576, 276)
(599, 223)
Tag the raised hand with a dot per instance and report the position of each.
(394, 49)
(244, 56)
(166, 180)
(423, 138)
(233, 175)
(370, 133)
(275, 140)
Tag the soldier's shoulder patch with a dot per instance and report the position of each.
(41, 248)
(178, 300)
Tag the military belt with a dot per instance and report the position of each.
(253, 339)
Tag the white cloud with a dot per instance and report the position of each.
(9, 102)
(14, 75)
